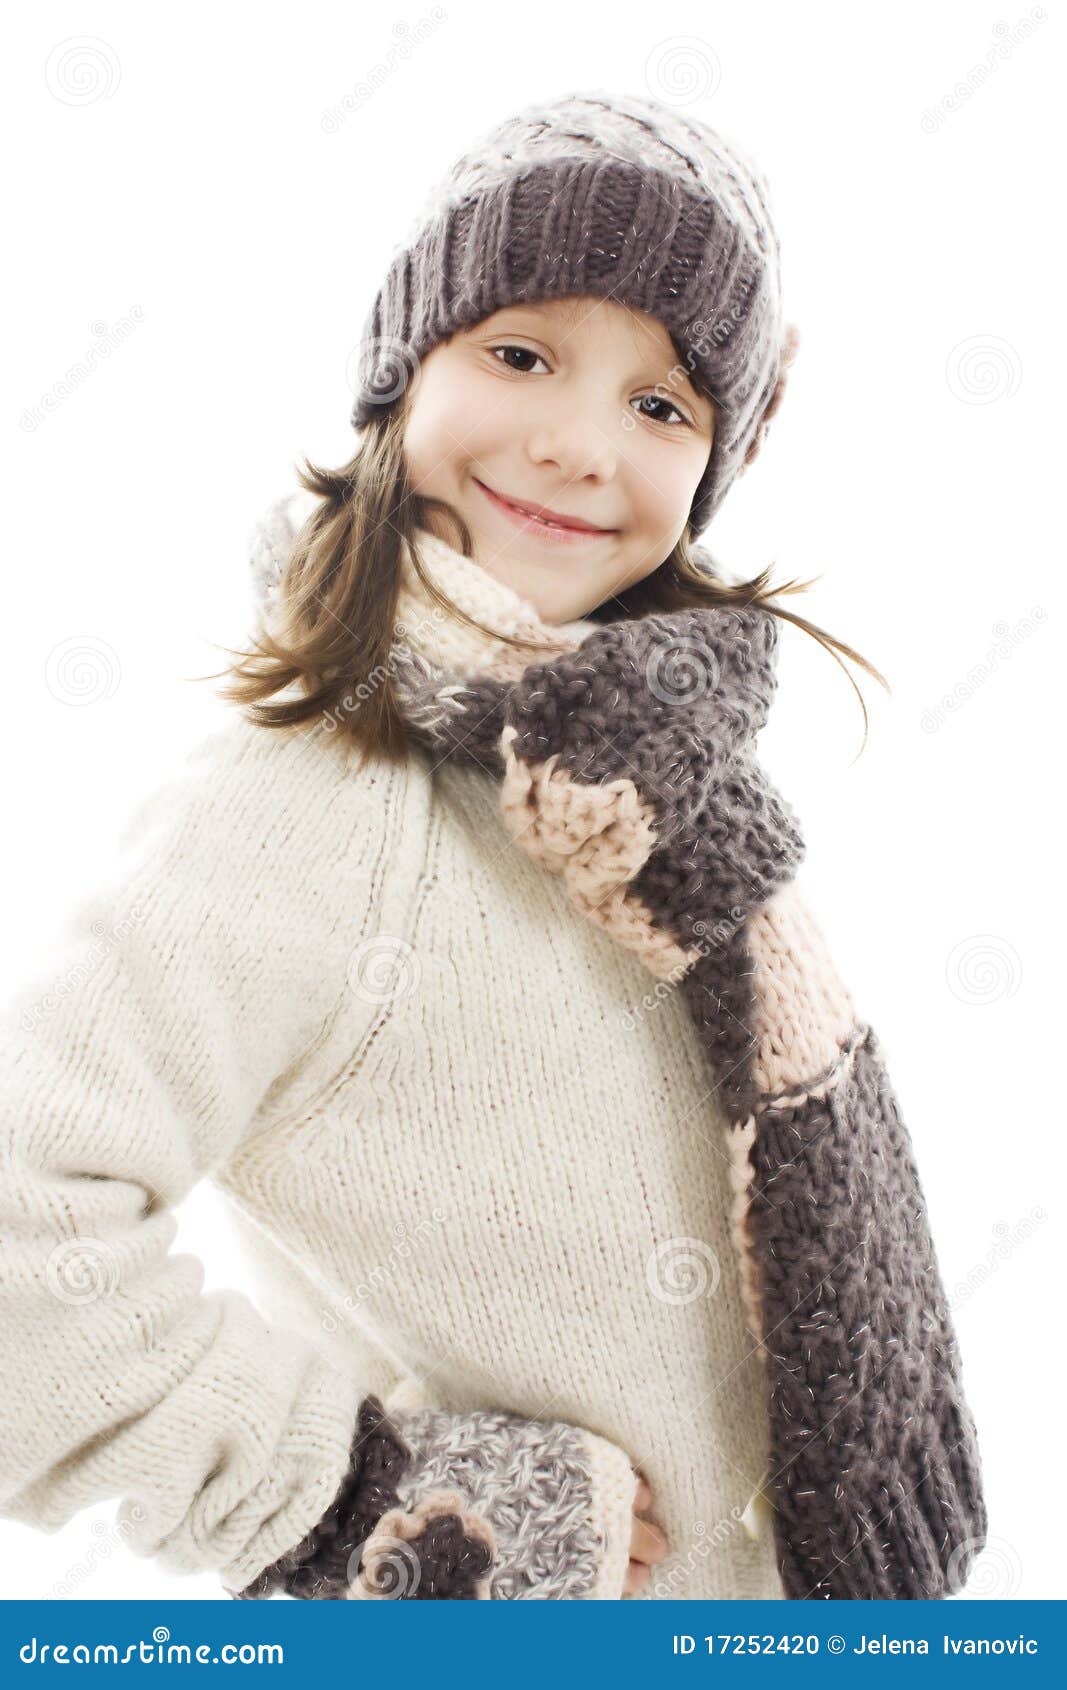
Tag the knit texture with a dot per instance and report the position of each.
(325, 1564)
(626, 767)
(462, 1186)
(601, 196)
(460, 1507)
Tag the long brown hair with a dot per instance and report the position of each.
(334, 628)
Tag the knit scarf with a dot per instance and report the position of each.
(624, 761)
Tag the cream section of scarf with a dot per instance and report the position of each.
(450, 645)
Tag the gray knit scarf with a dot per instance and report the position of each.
(626, 764)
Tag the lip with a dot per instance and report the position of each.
(555, 526)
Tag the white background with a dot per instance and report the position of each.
(217, 199)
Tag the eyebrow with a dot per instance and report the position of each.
(683, 384)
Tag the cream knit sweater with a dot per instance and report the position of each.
(470, 1152)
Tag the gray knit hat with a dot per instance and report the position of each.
(616, 197)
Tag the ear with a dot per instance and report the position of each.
(790, 341)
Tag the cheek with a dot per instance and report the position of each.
(437, 433)
(662, 481)
(447, 436)
(660, 484)
(427, 439)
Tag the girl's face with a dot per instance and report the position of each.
(580, 407)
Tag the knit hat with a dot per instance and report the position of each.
(617, 197)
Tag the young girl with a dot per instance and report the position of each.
(469, 963)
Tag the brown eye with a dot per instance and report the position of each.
(523, 351)
(657, 400)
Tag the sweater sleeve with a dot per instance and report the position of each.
(133, 1061)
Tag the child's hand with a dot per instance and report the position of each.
(647, 1545)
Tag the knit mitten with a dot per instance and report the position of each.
(463, 1507)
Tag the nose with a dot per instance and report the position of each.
(578, 444)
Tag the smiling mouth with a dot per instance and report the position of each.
(555, 524)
